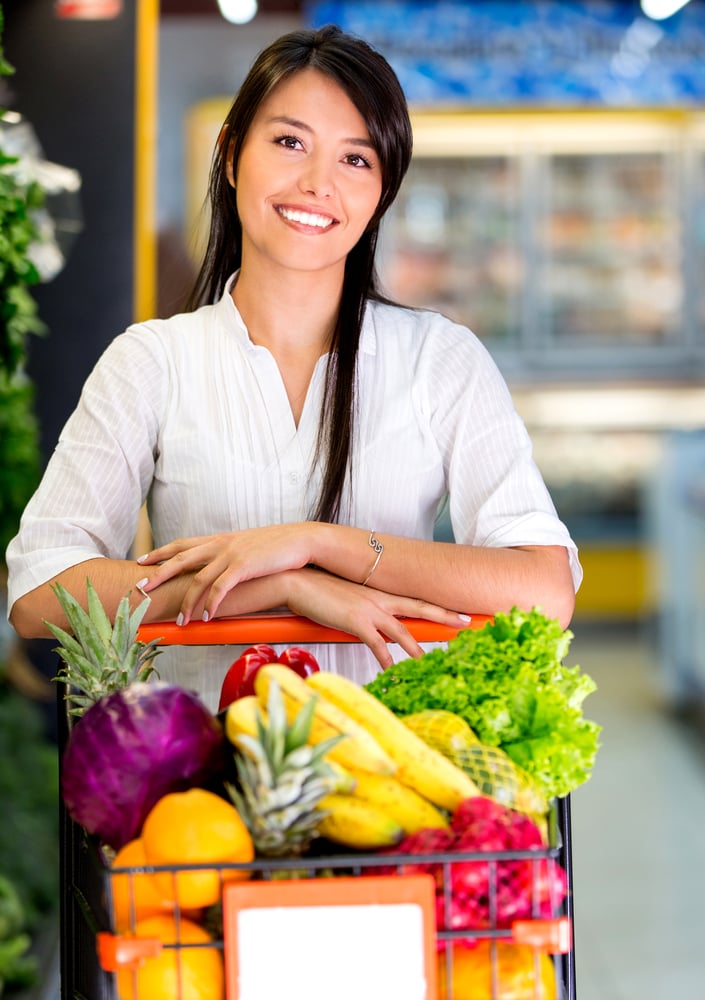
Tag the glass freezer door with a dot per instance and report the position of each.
(609, 250)
(452, 242)
(562, 240)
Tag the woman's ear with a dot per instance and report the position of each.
(229, 173)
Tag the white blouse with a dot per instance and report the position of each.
(190, 415)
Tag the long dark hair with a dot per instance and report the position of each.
(372, 86)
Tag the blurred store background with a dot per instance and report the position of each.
(556, 205)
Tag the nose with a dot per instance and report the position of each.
(317, 177)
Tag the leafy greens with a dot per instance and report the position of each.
(508, 681)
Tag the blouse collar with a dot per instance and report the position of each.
(231, 314)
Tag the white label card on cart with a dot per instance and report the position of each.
(342, 938)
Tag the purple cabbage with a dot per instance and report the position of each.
(130, 749)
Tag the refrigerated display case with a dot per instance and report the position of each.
(572, 244)
(562, 239)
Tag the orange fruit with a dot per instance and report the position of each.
(189, 973)
(522, 972)
(193, 828)
(134, 895)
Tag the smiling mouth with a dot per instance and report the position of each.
(306, 218)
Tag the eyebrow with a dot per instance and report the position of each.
(296, 123)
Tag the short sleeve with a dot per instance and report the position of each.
(95, 483)
(497, 495)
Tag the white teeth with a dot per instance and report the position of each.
(306, 218)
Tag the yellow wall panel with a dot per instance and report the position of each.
(618, 582)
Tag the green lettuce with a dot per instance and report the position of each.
(508, 681)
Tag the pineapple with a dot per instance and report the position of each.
(282, 779)
(100, 657)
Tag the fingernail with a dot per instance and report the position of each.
(141, 559)
(179, 619)
(142, 582)
(465, 618)
(205, 616)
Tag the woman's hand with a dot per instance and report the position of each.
(372, 615)
(220, 562)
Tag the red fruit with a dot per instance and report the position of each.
(433, 840)
(483, 824)
(428, 841)
(301, 661)
(265, 650)
(493, 893)
(490, 891)
(239, 679)
(545, 884)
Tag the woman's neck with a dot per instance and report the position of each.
(294, 313)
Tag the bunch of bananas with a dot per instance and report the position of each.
(396, 776)
(391, 782)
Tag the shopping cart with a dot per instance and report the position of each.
(92, 955)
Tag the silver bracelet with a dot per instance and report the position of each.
(375, 544)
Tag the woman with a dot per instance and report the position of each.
(295, 436)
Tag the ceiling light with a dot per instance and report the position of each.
(659, 10)
(238, 11)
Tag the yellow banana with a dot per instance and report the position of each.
(358, 748)
(358, 824)
(418, 765)
(410, 810)
(241, 717)
(346, 779)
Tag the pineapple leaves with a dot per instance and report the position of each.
(300, 728)
(283, 779)
(80, 622)
(99, 656)
(67, 641)
(97, 614)
(119, 636)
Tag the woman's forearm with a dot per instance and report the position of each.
(113, 578)
(462, 577)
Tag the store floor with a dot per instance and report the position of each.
(638, 831)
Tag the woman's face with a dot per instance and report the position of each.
(308, 179)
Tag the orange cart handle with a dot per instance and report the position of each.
(287, 629)
(122, 951)
(554, 935)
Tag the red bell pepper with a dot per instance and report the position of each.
(239, 680)
(240, 677)
(300, 660)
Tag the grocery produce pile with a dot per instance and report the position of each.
(457, 753)
(508, 681)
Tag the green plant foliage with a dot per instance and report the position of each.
(17, 968)
(19, 432)
(5, 67)
(19, 453)
(29, 791)
(18, 310)
(29, 774)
